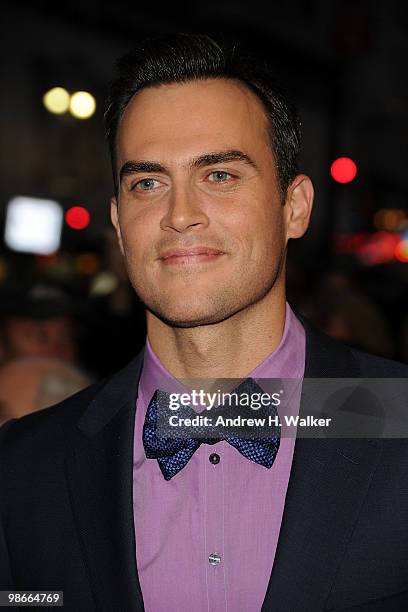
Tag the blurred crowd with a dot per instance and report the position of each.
(55, 341)
(58, 337)
(357, 307)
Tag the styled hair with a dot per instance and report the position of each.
(180, 58)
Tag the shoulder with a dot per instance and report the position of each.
(49, 425)
(374, 366)
(327, 357)
(60, 421)
(47, 430)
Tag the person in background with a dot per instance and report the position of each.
(342, 310)
(28, 384)
(37, 321)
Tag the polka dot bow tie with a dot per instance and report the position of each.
(173, 453)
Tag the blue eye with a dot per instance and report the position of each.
(147, 184)
(220, 176)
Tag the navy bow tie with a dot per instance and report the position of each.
(173, 453)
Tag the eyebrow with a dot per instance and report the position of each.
(208, 159)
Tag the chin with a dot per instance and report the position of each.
(184, 318)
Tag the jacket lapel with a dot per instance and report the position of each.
(99, 473)
(328, 483)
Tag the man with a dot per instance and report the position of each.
(37, 321)
(28, 384)
(207, 196)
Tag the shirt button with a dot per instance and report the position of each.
(214, 559)
(214, 458)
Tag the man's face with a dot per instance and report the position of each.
(53, 337)
(199, 214)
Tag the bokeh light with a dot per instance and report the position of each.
(77, 217)
(379, 248)
(392, 219)
(56, 100)
(343, 170)
(87, 263)
(401, 251)
(33, 225)
(82, 105)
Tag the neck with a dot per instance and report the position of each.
(229, 349)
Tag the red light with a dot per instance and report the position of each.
(77, 217)
(343, 170)
(378, 249)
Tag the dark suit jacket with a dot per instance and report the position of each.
(67, 515)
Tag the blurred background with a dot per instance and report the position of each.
(64, 294)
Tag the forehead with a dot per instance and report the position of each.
(181, 116)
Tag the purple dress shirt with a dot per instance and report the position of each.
(233, 508)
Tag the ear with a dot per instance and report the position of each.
(298, 206)
(114, 215)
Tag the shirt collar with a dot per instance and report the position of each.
(286, 361)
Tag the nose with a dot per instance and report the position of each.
(184, 211)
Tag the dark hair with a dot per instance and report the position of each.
(179, 58)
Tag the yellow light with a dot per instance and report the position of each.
(390, 219)
(56, 100)
(82, 105)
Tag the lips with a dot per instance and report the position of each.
(189, 255)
